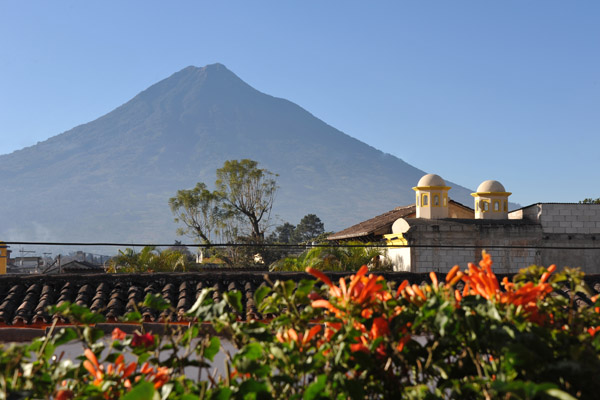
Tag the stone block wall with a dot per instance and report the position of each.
(563, 218)
(463, 241)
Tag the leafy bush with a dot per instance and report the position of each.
(359, 338)
(335, 258)
(149, 260)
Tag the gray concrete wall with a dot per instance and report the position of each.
(470, 239)
(562, 218)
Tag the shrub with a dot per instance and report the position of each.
(335, 258)
(466, 335)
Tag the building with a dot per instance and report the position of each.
(437, 233)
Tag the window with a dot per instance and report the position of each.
(418, 201)
(445, 200)
(436, 200)
(496, 205)
(505, 206)
(486, 206)
(425, 200)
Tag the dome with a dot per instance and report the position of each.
(491, 186)
(431, 180)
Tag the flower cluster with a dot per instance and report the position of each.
(119, 374)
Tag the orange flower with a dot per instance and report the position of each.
(301, 339)
(434, 280)
(380, 328)
(483, 282)
(361, 289)
(115, 372)
(93, 367)
(118, 334)
(452, 273)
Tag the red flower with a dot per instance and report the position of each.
(145, 340)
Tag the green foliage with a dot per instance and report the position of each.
(247, 191)
(309, 228)
(333, 258)
(590, 201)
(198, 210)
(238, 211)
(149, 260)
(283, 234)
(364, 338)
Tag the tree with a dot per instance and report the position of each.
(247, 190)
(283, 233)
(237, 211)
(198, 209)
(309, 228)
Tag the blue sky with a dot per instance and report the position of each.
(470, 90)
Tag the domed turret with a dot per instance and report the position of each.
(491, 201)
(432, 197)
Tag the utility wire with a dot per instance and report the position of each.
(304, 246)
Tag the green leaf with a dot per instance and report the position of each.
(305, 287)
(559, 394)
(260, 294)
(156, 302)
(277, 352)
(192, 397)
(213, 348)
(252, 351)
(141, 391)
(314, 390)
(133, 316)
(234, 299)
(143, 357)
(252, 386)
(288, 287)
(64, 335)
(194, 311)
(221, 394)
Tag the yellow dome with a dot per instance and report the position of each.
(431, 180)
(491, 186)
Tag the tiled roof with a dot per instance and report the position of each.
(382, 224)
(379, 225)
(24, 300)
(81, 266)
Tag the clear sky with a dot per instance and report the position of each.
(470, 90)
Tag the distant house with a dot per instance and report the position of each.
(84, 267)
(436, 233)
(24, 265)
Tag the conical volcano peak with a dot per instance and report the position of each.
(209, 69)
(213, 80)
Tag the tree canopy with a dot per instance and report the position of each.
(590, 201)
(238, 210)
(249, 191)
(309, 228)
(199, 211)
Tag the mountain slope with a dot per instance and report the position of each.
(110, 179)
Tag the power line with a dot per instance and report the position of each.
(304, 246)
